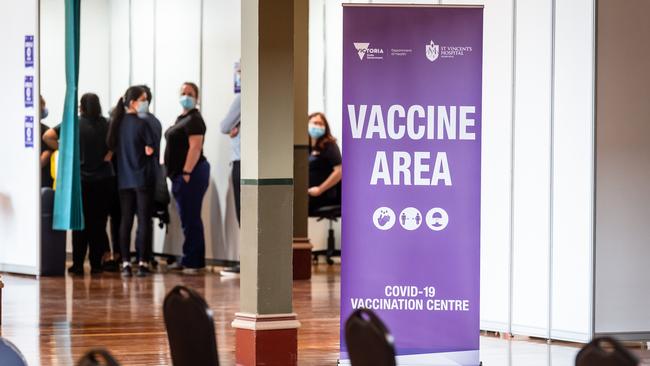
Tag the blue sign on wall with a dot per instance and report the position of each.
(29, 51)
(29, 91)
(29, 131)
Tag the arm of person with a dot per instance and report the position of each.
(148, 135)
(233, 117)
(330, 182)
(45, 157)
(51, 139)
(193, 155)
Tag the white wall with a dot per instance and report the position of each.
(573, 170)
(20, 173)
(536, 157)
(161, 43)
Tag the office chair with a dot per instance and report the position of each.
(97, 357)
(368, 341)
(190, 328)
(605, 351)
(10, 355)
(332, 214)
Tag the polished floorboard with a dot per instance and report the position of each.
(53, 321)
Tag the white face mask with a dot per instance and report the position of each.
(143, 107)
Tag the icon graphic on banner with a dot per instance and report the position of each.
(29, 91)
(410, 218)
(433, 51)
(29, 51)
(383, 218)
(29, 131)
(437, 219)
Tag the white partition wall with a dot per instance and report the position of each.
(20, 173)
(532, 169)
(573, 128)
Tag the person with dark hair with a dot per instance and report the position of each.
(131, 140)
(325, 169)
(96, 179)
(190, 174)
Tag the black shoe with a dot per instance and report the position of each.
(126, 271)
(78, 271)
(94, 271)
(111, 266)
(142, 271)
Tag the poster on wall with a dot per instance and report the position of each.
(412, 177)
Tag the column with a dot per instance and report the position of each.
(266, 327)
(301, 245)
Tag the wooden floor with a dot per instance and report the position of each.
(54, 320)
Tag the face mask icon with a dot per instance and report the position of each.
(437, 219)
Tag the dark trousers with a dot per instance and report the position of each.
(189, 198)
(236, 186)
(138, 202)
(115, 216)
(93, 236)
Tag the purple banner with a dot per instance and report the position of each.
(412, 176)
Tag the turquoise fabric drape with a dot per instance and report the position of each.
(68, 210)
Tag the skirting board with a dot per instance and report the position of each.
(494, 326)
(18, 269)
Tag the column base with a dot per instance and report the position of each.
(302, 258)
(270, 340)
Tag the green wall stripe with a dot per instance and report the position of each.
(267, 182)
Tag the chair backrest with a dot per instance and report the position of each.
(190, 328)
(605, 351)
(97, 357)
(10, 355)
(368, 341)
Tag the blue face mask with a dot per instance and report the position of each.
(143, 107)
(187, 102)
(316, 132)
(44, 113)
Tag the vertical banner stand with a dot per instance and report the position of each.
(412, 183)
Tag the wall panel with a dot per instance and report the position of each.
(531, 208)
(572, 170)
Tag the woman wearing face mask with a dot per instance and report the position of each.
(132, 141)
(325, 168)
(189, 173)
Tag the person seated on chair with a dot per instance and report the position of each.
(325, 169)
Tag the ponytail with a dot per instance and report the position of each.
(117, 115)
(114, 127)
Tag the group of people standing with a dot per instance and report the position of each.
(121, 173)
(120, 167)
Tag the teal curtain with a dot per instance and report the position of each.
(68, 210)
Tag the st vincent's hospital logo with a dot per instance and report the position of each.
(364, 50)
(432, 51)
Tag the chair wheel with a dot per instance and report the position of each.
(330, 261)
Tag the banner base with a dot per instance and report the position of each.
(463, 358)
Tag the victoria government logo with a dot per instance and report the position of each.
(365, 51)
